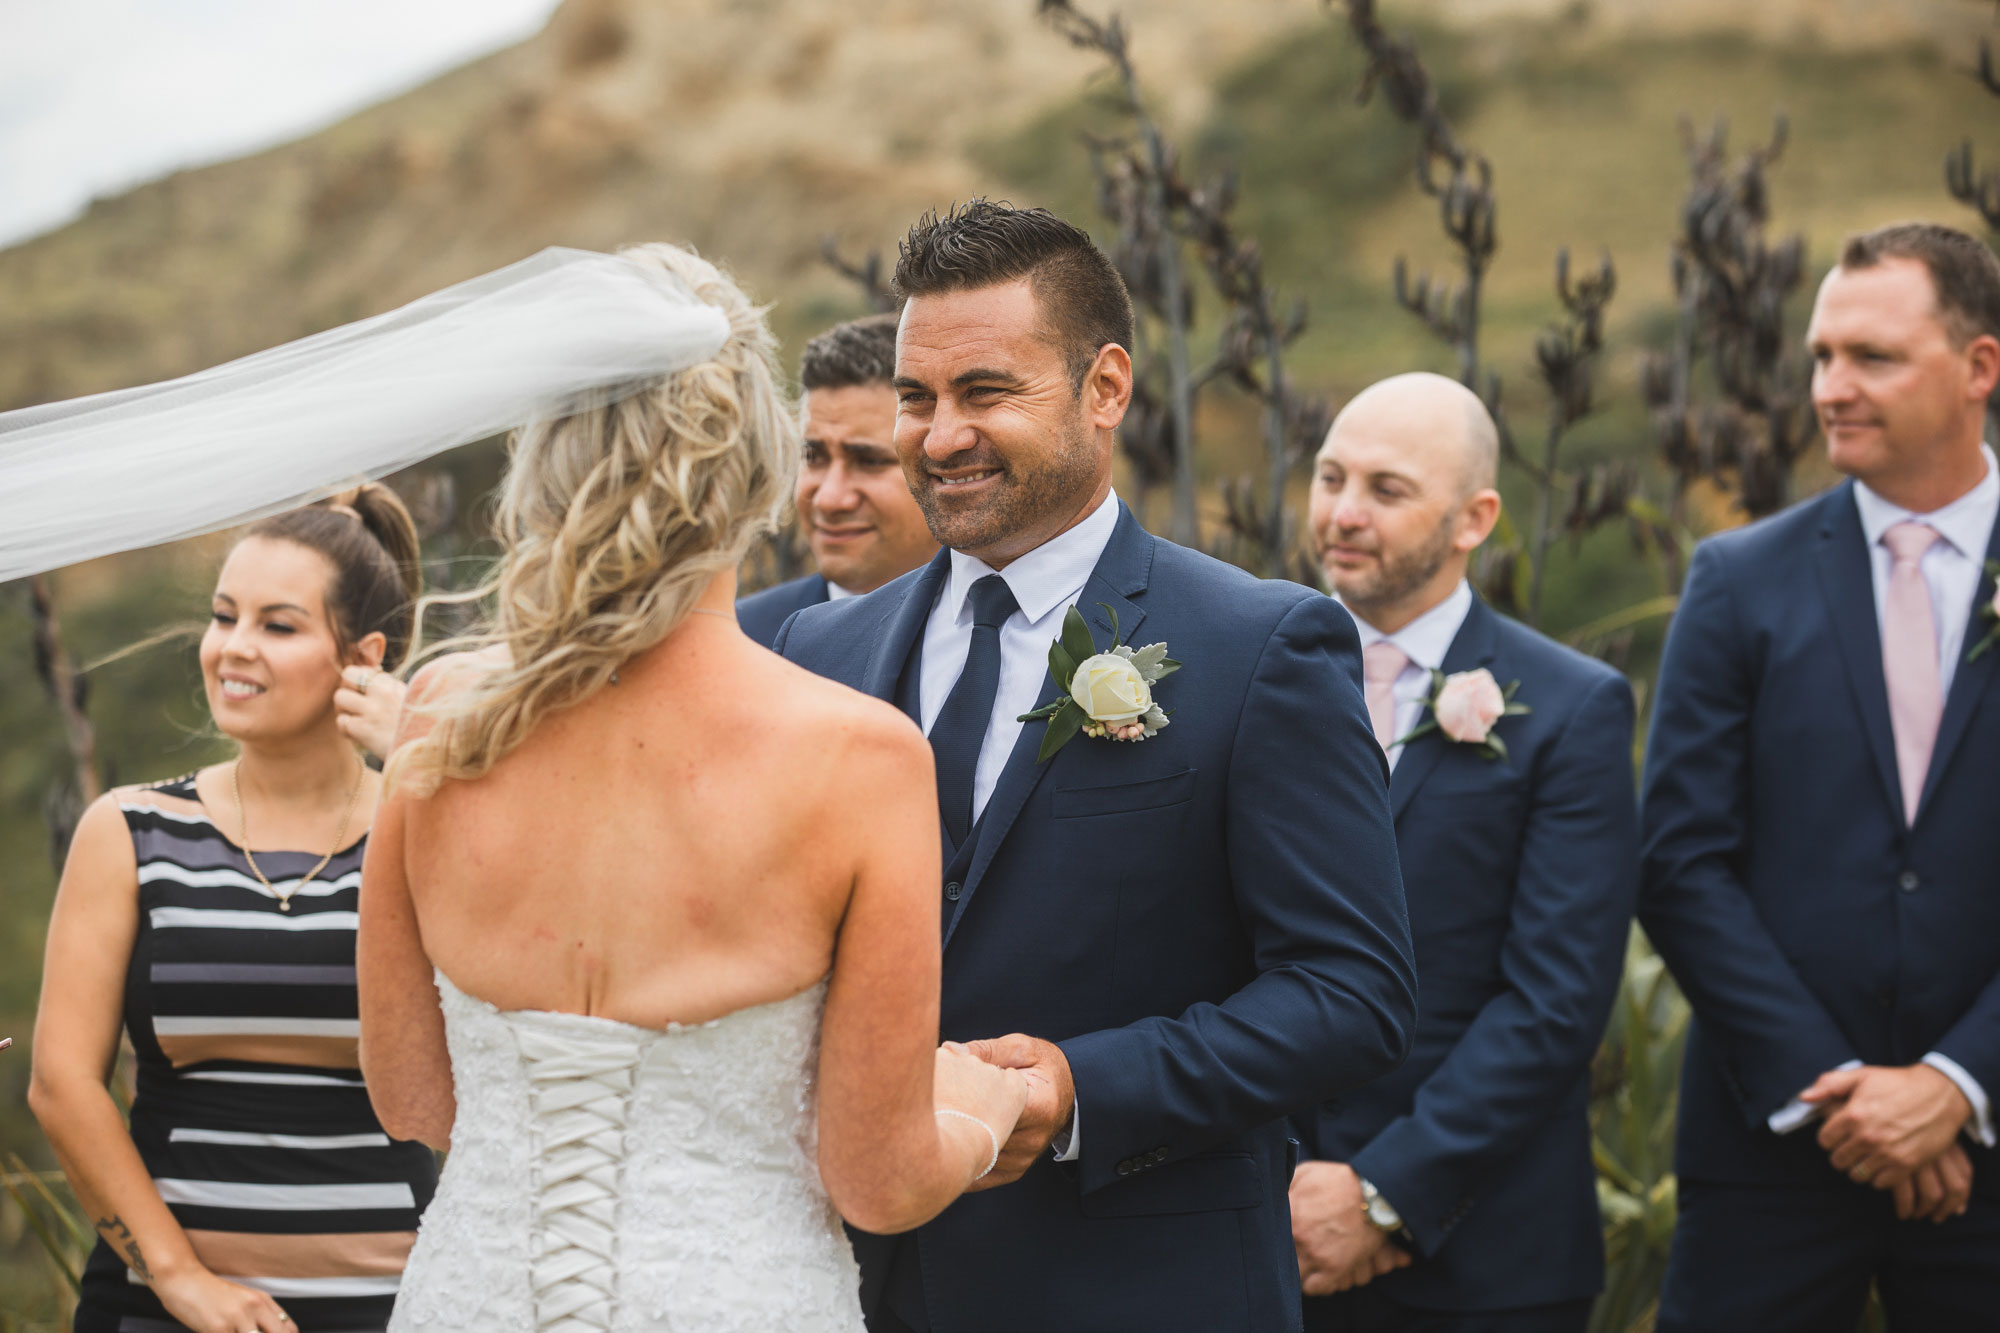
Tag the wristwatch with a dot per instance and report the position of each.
(1381, 1214)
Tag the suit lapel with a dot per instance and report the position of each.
(1969, 682)
(905, 627)
(1121, 573)
(1471, 648)
(1849, 586)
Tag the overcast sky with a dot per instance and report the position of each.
(100, 95)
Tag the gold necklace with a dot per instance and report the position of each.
(243, 835)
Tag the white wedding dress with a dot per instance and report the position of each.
(610, 1177)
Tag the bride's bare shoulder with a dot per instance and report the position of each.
(844, 717)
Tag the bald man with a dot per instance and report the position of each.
(1458, 1193)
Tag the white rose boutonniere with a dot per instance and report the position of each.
(1466, 706)
(1107, 695)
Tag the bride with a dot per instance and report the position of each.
(649, 923)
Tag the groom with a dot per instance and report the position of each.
(1184, 939)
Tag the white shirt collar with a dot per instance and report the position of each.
(1966, 522)
(1427, 639)
(1045, 578)
(836, 593)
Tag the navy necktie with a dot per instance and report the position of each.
(960, 728)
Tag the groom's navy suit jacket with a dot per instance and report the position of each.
(1521, 874)
(1807, 924)
(1210, 924)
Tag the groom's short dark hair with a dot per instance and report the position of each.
(983, 244)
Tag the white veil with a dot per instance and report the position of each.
(135, 467)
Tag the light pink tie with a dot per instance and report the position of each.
(1910, 659)
(1381, 663)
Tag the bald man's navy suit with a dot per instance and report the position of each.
(1210, 924)
(1520, 874)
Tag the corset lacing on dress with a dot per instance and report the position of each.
(580, 1102)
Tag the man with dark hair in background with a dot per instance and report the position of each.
(855, 509)
(1179, 941)
(1821, 839)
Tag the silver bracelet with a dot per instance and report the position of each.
(992, 1161)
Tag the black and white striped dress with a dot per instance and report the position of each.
(250, 1113)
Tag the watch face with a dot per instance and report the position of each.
(1382, 1215)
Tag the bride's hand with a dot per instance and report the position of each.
(989, 1094)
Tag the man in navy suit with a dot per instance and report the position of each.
(857, 514)
(1458, 1193)
(1822, 837)
(1180, 940)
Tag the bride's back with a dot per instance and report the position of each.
(678, 897)
(676, 847)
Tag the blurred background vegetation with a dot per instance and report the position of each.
(773, 133)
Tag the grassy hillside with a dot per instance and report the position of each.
(753, 129)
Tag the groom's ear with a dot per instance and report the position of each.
(1107, 387)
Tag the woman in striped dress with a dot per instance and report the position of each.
(212, 918)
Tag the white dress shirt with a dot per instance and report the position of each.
(1951, 568)
(1045, 582)
(1425, 641)
(836, 593)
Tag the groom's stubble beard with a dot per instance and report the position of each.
(1399, 576)
(1029, 492)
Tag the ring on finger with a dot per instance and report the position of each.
(368, 675)
(1860, 1174)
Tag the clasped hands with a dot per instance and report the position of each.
(1051, 1099)
(1897, 1129)
(1338, 1247)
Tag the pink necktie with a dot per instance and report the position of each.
(1910, 659)
(1381, 663)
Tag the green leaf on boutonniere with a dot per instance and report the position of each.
(1066, 720)
(1076, 641)
(1061, 665)
(1988, 612)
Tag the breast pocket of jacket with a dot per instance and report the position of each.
(1124, 798)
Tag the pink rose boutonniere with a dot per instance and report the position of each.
(1466, 707)
(1990, 613)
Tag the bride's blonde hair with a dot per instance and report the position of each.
(612, 520)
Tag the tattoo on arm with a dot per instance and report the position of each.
(119, 1237)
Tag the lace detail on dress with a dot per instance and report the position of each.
(606, 1178)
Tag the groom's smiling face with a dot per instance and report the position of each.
(1002, 447)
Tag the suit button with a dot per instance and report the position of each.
(952, 890)
(1125, 1167)
(1908, 881)
(1159, 1155)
